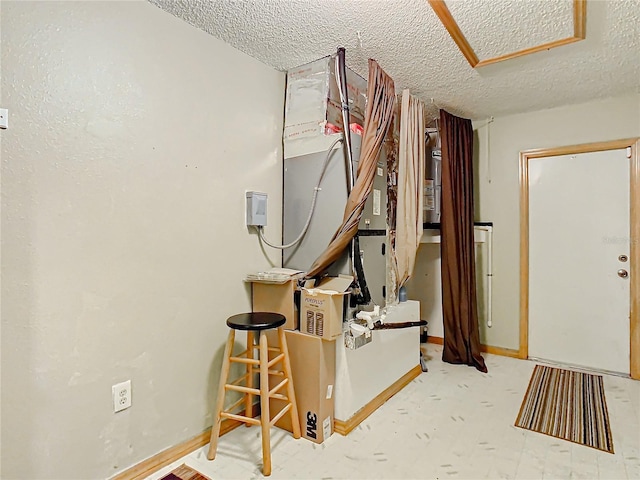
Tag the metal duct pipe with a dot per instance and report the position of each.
(363, 296)
(341, 80)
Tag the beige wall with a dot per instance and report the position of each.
(498, 186)
(133, 139)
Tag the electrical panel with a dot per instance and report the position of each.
(256, 209)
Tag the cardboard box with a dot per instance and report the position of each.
(274, 291)
(313, 367)
(277, 298)
(322, 307)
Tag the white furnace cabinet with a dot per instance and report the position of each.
(364, 373)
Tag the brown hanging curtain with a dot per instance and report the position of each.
(459, 303)
(380, 105)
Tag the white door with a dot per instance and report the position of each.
(578, 228)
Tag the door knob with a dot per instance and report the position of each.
(622, 273)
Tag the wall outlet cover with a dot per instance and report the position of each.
(121, 396)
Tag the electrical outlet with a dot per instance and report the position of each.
(4, 119)
(121, 396)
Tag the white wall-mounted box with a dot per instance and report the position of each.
(256, 209)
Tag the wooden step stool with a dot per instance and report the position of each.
(252, 323)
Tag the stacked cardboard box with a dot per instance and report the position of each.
(278, 296)
(312, 352)
(313, 368)
(322, 307)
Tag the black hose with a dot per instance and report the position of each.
(364, 297)
(390, 326)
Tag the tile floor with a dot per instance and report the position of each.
(452, 422)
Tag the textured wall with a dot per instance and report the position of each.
(498, 187)
(133, 138)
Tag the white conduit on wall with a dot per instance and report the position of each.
(430, 236)
(489, 272)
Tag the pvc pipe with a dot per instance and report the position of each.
(488, 290)
(489, 275)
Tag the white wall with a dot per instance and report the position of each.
(426, 281)
(133, 138)
(498, 186)
(425, 286)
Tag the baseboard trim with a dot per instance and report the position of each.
(344, 427)
(171, 454)
(505, 352)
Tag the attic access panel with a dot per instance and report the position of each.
(522, 27)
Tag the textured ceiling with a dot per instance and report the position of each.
(495, 28)
(410, 43)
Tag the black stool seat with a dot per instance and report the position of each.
(256, 321)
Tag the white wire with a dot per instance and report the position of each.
(316, 189)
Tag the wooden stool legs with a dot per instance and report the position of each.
(265, 418)
(248, 410)
(224, 374)
(265, 392)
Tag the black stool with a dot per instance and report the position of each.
(256, 322)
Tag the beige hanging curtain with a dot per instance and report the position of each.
(410, 184)
(380, 105)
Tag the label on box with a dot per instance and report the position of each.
(312, 426)
(376, 202)
(329, 391)
(430, 203)
(428, 187)
(326, 428)
(315, 323)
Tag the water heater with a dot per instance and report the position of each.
(432, 177)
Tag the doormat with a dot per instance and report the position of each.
(184, 473)
(567, 405)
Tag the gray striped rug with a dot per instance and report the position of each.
(567, 405)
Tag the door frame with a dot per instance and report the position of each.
(634, 231)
